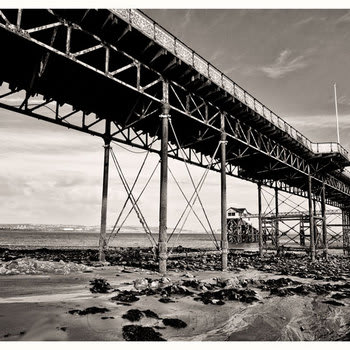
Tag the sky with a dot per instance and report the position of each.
(288, 59)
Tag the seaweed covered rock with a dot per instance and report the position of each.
(174, 322)
(100, 285)
(140, 333)
(134, 315)
(126, 296)
(90, 310)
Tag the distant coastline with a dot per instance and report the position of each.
(81, 228)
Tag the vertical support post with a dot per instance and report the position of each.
(324, 222)
(19, 18)
(163, 205)
(224, 242)
(260, 222)
(68, 38)
(346, 233)
(345, 227)
(102, 242)
(315, 223)
(346, 242)
(311, 220)
(277, 221)
(107, 53)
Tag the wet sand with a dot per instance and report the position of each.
(36, 307)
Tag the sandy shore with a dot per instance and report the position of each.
(36, 307)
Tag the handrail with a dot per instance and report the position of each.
(329, 147)
(161, 36)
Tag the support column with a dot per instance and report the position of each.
(163, 204)
(345, 228)
(346, 233)
(260, 222)
(276, 222)
(324, 222)
(224, 243)
(102, 241)
(316, 240)
(311, 218)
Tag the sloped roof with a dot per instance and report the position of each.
(238, 210)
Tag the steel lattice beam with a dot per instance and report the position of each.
(182, 101)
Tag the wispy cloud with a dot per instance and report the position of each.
(304, 21)
(185, 22)
(344, 18)
(285, 63)
(218, 54)
(344, 100)
(308, 20)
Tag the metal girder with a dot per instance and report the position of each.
(183, 102)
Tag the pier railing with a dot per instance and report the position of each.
(165, 39)
(329, 147)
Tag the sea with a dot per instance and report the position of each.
(89, 239)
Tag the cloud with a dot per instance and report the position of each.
(322, 121)
(285, 63)
(217, 55)
(344, 100)
(185, 22)
(304, 21)
(309, 20)
(344, 18)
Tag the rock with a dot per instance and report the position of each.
(140, 333)
(217, 302)
(126, 296)
(232, 282)
(100, 285)
(333, 302)
(174, 322)
(340, 296)
(141, 283)
(90, 310)
(165, 280)
(193, 283)
(188, 275)
(210, 281)
(154, 285)
(166, 300)
(133, 315)
(281, 292)
(100, 263)
(217, 297)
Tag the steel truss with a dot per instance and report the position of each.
(134, 199)
(212, 125)
(292, 229)
(149, 83)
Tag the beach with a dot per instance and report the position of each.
(256, 299)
